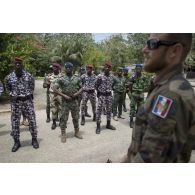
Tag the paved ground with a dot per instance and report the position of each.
(92, 149)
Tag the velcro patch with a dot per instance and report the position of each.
(162, 106)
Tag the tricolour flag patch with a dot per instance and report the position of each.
(162, 106)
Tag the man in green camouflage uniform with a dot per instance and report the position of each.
(71, 88)
(46, 84)
(164, 129)
(119, 90)
(127, 91)
(137, 86)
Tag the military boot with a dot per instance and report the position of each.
(54, 124)
(131, 122)
(87, 114)
(48, 118)
(16, 145)
(94, 117)
(83, 120)
(35, 143)
(124, 108)
(77, 134)
(63, 135)
(98, 128)
(109, 126)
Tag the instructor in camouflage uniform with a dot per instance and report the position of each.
(119, 91)
(164, 129)
(137, 87)
(104, 86)
(88, 84)
(20, 86)
(71, 88)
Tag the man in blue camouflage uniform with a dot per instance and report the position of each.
(137, 86)
(82, 72)
(20, 86)
(104, 86)
(1, 87)
(70, 88)
(88, 84)
(119, 91)
(164, 130)
(46, 84)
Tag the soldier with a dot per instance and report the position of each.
(137, 87)
(1, 87)
(82, 72)
(104, 85)
(71, 88)
(88, 82)
(126, 78)
(46, 84)
(119, 90)
(164, 129)
(20, 86)
(55, 99)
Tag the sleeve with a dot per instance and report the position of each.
(159, 138)
(7, 85)
(98, 82)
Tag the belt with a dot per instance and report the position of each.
(28, 97)
(105, 94)
(89, 91)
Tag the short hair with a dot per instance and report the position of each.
(185, 39)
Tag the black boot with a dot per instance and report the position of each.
(131, 122)
(16, 145)
(94, 117)
(109, 126)
(48, 118)
(124, 108)
(83, 120)
(98, 128)
(54, 124)
(35, 143)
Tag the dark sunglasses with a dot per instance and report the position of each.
(154, 43)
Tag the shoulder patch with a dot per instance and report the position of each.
(162, 106)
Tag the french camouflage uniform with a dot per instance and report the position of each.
(69, 86)
(164, 129)
(104, 86)
(119, 91)
(21, 95)
(88, 93)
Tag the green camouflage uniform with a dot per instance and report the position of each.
(137, 87)
(46, 84)
(127, 91)
(164, 129)
(119, 90)
(69, 86)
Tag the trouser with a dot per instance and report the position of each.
(48, 104)
(80, 97)
(88, 96)
(107, 101)
(136, 101)
(17, 107)
(56, 107)
(73, 107)
(117, 103)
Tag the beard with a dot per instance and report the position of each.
(154, 65)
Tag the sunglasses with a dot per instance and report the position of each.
(154, 43)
